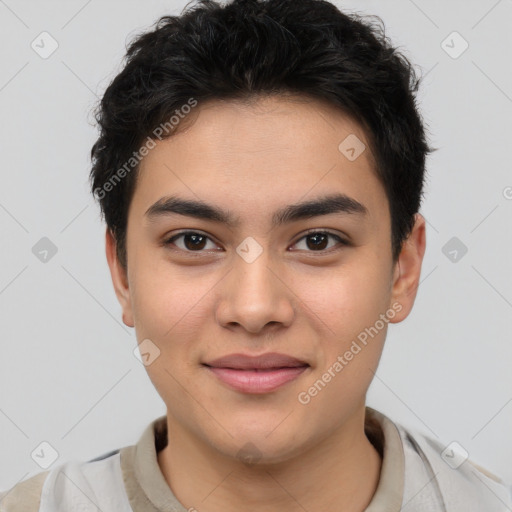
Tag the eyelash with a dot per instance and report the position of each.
(170, 241)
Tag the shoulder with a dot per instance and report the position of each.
(86, 485)
(24, 496)
(458, 481)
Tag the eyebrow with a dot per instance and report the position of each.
(334, 203)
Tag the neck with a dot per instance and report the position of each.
(341, 470)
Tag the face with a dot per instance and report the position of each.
(291, 256)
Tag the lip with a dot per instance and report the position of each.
(261, 362)
(257, 381)
(257, 374)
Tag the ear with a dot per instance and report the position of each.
(119, 279)
(406, 276)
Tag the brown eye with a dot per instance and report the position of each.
(192, 241)
(318, 241)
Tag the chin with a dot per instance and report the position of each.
(264, 447)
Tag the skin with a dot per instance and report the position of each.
(253, 159)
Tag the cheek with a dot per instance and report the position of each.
(170, 309)
(346, 307)
(346, 299)
(350, 348)
(167, 301)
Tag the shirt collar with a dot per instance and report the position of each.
(148, 490)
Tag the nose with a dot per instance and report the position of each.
(255, 297)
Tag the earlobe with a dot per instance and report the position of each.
(119, 278)
(408, 269)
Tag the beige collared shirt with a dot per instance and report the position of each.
(148, 491)
(414, 477)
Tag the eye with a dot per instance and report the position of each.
(318, 241)
(192, 241)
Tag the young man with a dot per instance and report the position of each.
(260, 170)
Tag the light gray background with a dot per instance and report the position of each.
(68, 375)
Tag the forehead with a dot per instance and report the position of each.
(260, 155)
